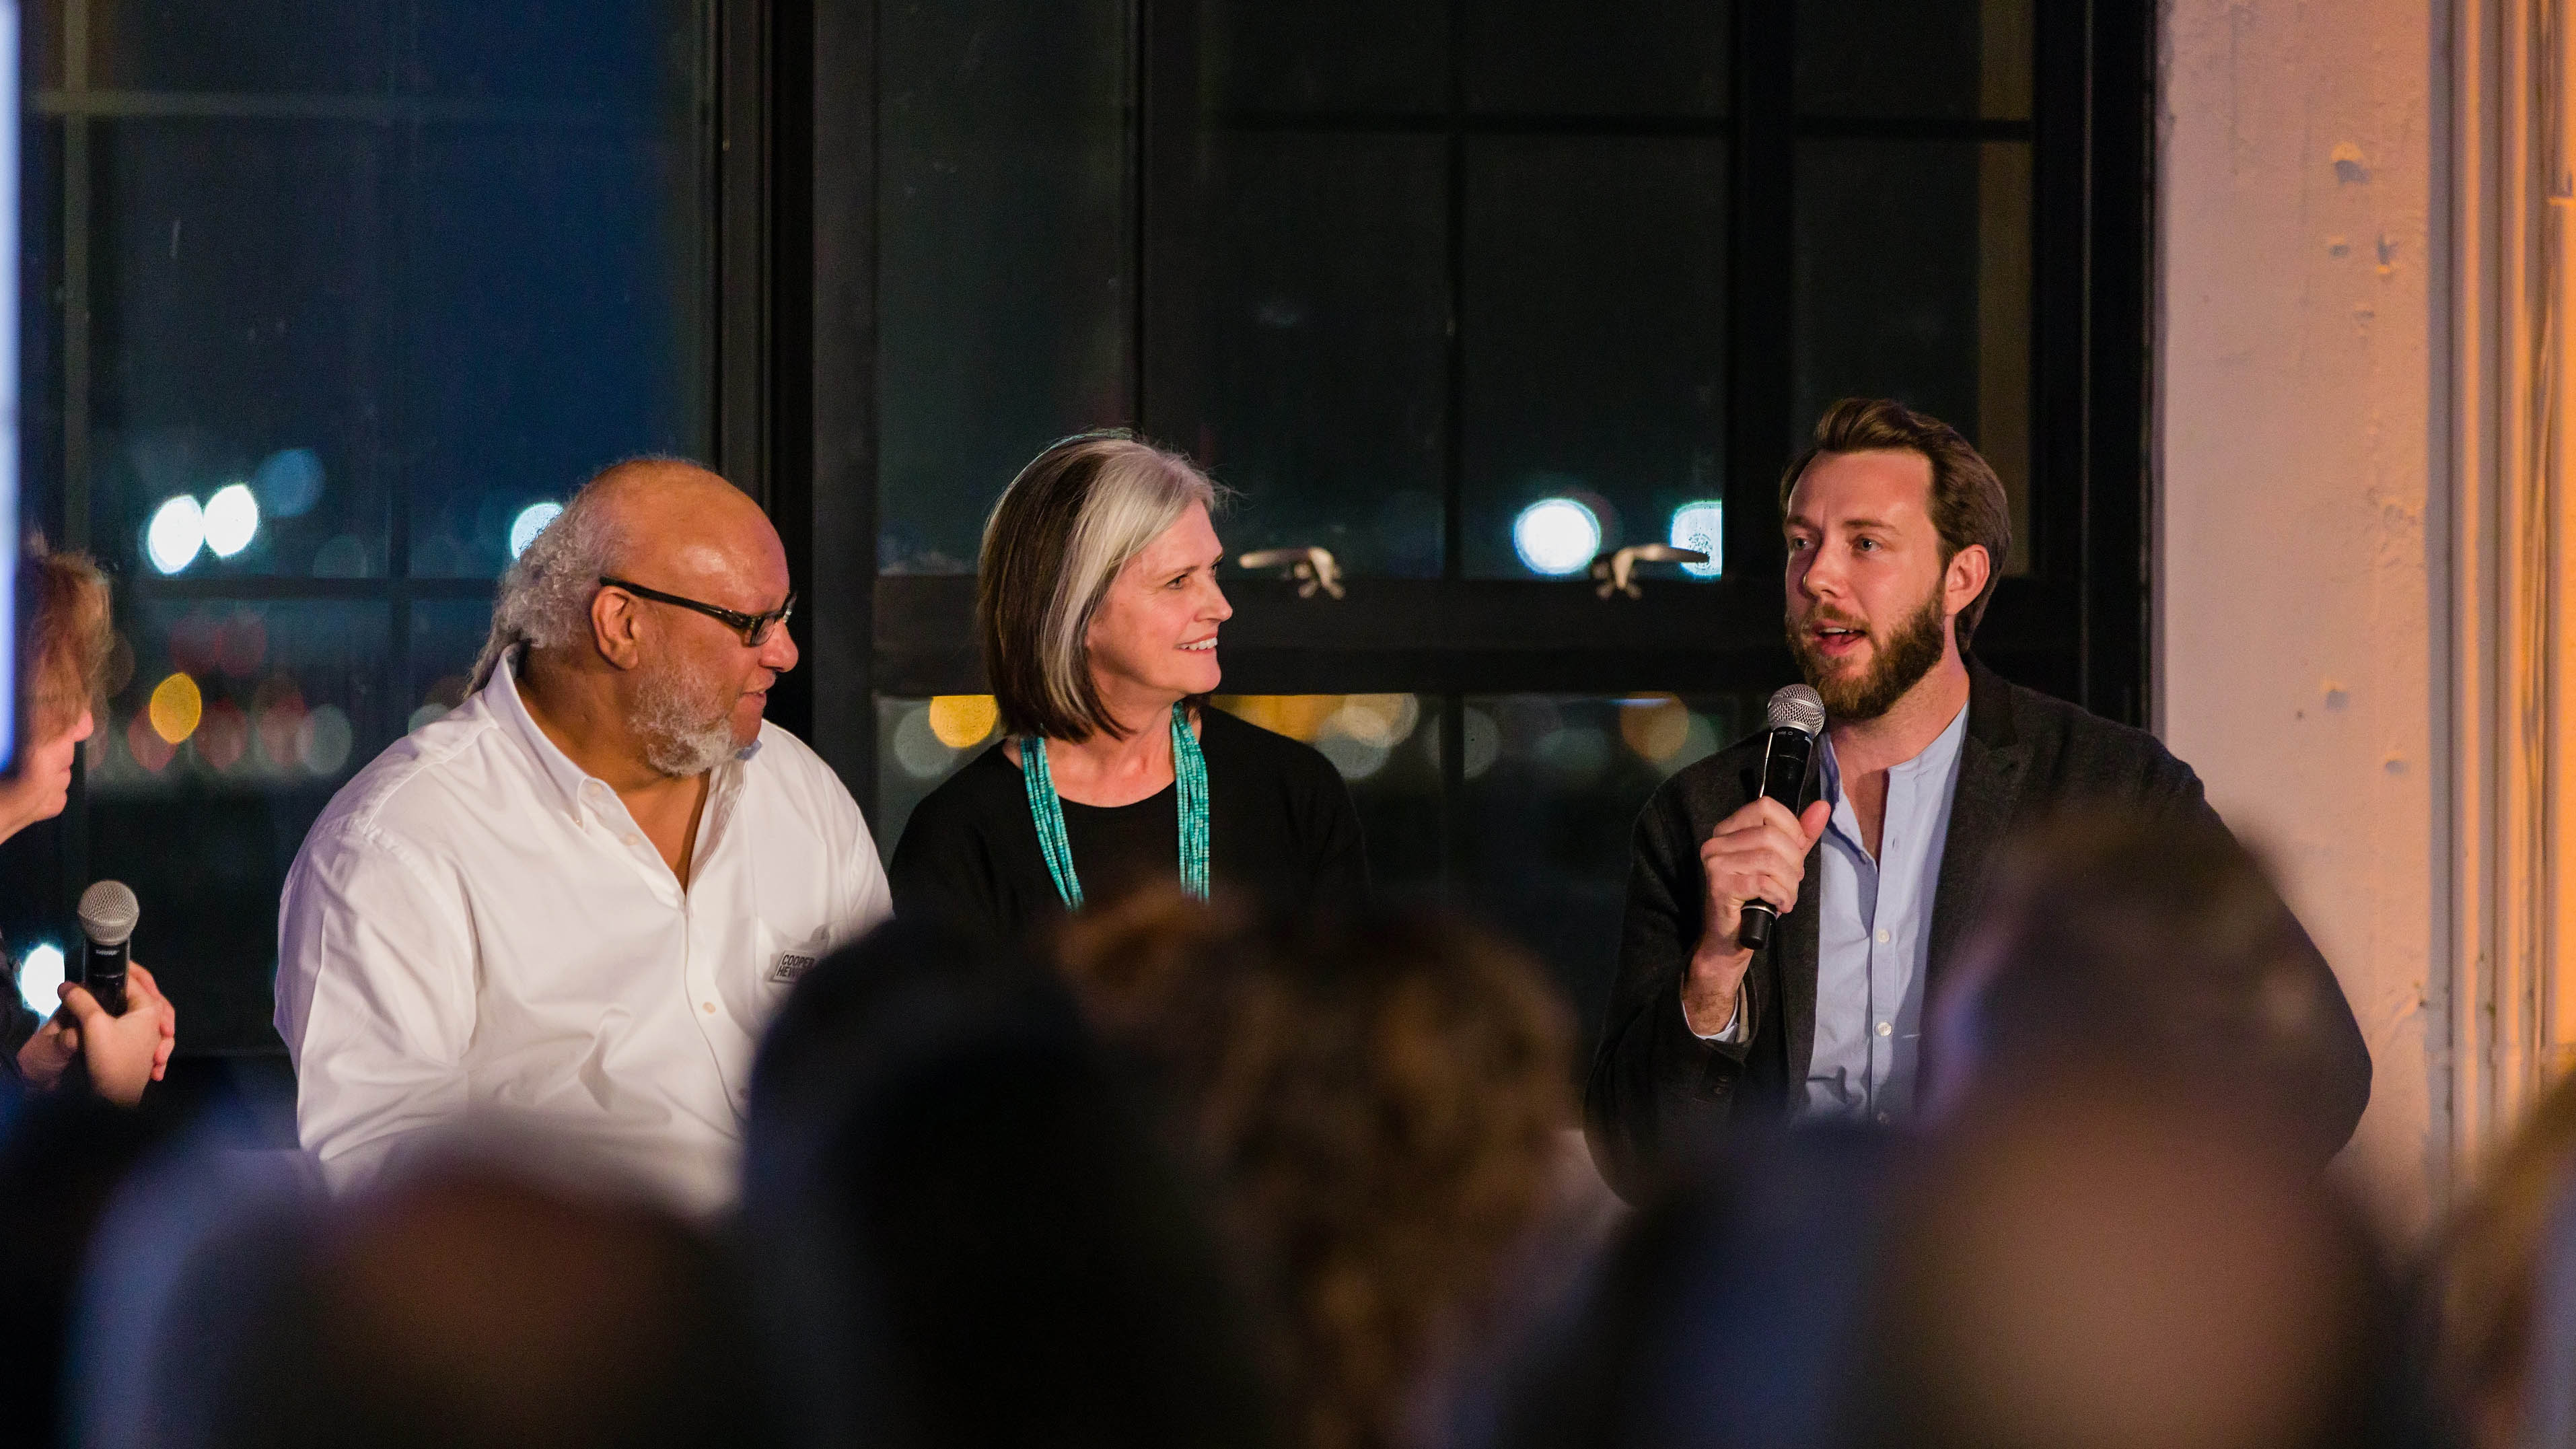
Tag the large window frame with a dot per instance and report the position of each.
(2075, 625)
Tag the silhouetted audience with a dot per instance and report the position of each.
(482, 1301)
(2155, 948)
(2487, 1271)
(2087, 1266)
(1732, 1309)
(965, 1234)
(1385, 1106)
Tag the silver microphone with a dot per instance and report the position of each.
(1797, 716)
(108, 911)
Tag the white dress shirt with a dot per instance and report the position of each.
(476, 926)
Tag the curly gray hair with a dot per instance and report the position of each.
(544, 598)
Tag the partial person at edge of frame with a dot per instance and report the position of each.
(1097, 610)
(63, 611)
(1896, 530)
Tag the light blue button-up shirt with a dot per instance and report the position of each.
(1874, 929)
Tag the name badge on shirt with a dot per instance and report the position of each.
(792, 963)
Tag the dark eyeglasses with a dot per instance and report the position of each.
(754, 628)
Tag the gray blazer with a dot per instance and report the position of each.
(1655, 1087)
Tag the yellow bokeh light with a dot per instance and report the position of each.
(963, 720)
(176, 708)
(1655, 726)
(1298, 716)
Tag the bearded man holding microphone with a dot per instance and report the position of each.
(1896, 530)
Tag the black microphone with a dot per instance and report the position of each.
(108, 911)
(1788, 749)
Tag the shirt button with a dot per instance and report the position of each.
(709, 1008)
(1882, 935)
(1884, 1028)
(1882, 1119)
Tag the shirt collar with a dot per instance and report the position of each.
(552, 763)
(1935, 760)
(570, 781)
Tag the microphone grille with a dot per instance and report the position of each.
(108, 911)
(1797, 707)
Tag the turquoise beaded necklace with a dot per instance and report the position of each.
(1189, 776)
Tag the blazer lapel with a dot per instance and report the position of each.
(1990, 770)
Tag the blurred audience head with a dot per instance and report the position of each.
(63, 613)
(1060, 536)
(471, 1304)
(684, 687)
(1383, 1105)
(1732, 1308)
(2488, 1268)
(964, 1230)
(2122, 944)
(2082, 1268)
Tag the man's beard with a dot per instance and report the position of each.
(686, 723)
(1896, 665)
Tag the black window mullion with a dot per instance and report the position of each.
(1759, 290)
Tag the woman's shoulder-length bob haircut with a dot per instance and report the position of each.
(1056, 541)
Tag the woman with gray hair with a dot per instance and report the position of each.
(1097, 609)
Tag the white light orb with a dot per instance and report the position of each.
(232, 519)
(1701, 526)
(532, 520)
(1556, 537)
(177, 531)
(39, 972)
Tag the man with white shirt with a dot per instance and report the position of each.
(575, 900)
(1896, 529)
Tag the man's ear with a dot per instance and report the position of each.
(1966, 577)
(614, 620)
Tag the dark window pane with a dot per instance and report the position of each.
(1930, 58)
(1622, 57)
(550, 50)
(552, 326)
(1005, 234)
(242, 335)
(1595, 341)
(1554, 784)
(340, 46)
(1913, 282)
(921, 742)
(446, 637)
(1387, 747)
(1318, 365)
(1328, 55)
(232, 730)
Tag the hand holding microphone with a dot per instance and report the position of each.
(1754, 862)
(115, 1021)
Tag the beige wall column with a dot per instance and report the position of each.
(2303, 558)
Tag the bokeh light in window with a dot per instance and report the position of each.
(177, 706)
(1701, 526)
(223, 736)
(532, 520)
(289, 482)
(1556, 537)
(176, 532)
(147, 747)
(322, 742)
(963, 721)
(40, 971)
(231, 520)
(277, 717)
